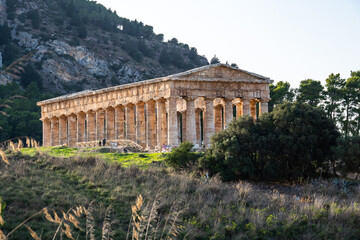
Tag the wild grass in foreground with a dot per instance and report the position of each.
(173, 204)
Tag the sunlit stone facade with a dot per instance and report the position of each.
(189, 106)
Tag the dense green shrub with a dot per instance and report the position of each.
(182, 156)
(291, 143)
(347, 154)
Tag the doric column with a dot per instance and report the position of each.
(81, 127)
(264, 106)
(130, 122)
(140, 124)
(62, 130)
(253, 108)
(151, 125)
(100, 124)
(54, 131)
(198, 112)
(71, 131)
(161, 125)
(110, 123)
(239, 109)
(209, 128)
(246, 107)
(190, 121)
(218, 118)
(91, 126)
(173, 133)
(183, 125)
(46, 133)
(228, 111)
(119, 122)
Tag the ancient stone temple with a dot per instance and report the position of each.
(188, 106)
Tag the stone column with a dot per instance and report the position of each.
(91, 126)
(130, 122)
(183, 124)
(263, 107)
(81, 127)
(110, 123)
(140, 124)
(100, 124)
(198, 127)
(46, 133)
(209, 128)
(119, 122)
(228, 112)
(246, 107)
(151, 125)
(54, 132)
(173, 133)
(253, 108)
(72, 131)
(218, 118)
(190, 121)
(161, 125)
(62, 130)
(239, 110)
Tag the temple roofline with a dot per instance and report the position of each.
(174, 77)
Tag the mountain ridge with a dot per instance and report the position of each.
(74, 45)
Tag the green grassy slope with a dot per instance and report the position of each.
(200, 208)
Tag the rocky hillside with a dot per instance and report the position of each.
(71, 45)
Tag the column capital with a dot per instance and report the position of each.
(140, 103)
(265, 100)
(207, 99)
(189, 98)
(228, 99)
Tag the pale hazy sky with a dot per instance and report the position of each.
(286, 40)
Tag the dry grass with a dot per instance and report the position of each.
(179, 206)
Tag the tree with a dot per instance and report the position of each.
(348, 152)
(334, 96)
(30, 75)
(10, 53)
(280, 93)
(214, 60)
(5, 34)
(182, 156)
(34, 16)
(174, 41)
(159, 37)
(234, 65)
(193, 53)
(291, 143)
(311, 92)
(352, 101)
(82, 31)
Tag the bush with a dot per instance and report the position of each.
(347, 153)
(182, 156)
(291, 143)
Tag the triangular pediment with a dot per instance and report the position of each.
(219, 72)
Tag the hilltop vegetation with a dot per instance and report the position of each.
(200, 208)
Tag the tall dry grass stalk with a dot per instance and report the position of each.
(90, 223)
(12, 146)
(20, 144)
(136, 219)
(28, 142)
(4, 157)
(107, 232)
(2, 235)
(32, 233)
